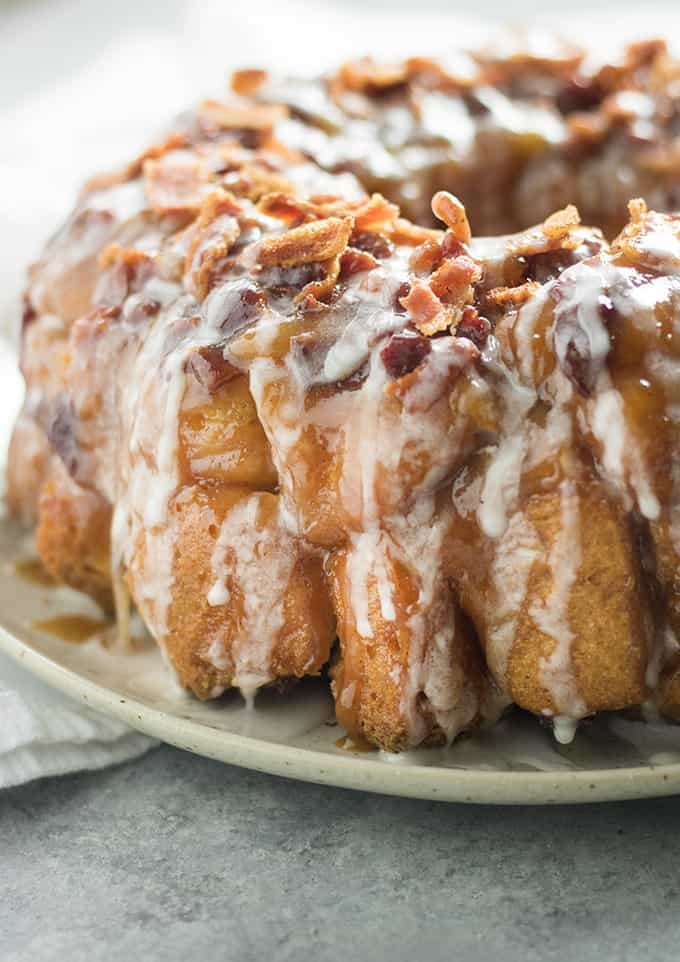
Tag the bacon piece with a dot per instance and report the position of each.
(285, 206)
(453, 279)
(215, 231)
(427, 311)
(215, 114)
(426, 258)
(561, 223)
(637, 208)
(175, 184)
(449, 209)
(558, 232)
(500, 296)
(375, 213)
(318, 241)
(364, 75)
(247, 81)
(321, 290)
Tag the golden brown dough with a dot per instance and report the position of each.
(73, 535)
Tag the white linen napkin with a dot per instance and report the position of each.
(91, 110)
(42, 732)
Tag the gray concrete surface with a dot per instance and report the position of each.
(179, 858)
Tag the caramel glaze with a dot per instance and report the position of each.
(358, 745)
(34, 571)
(72, 627)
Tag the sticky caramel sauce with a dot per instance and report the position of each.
(74, 628)
(32, 569)
(354, 743)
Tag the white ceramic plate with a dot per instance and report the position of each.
(296, 735)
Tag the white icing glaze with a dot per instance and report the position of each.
(244, 545)
(551, 615)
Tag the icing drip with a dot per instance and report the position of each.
(502, 478)
(621, 456)
(247, 542)
(552, 615)
(515, 553)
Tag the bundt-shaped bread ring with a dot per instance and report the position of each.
(276, 412)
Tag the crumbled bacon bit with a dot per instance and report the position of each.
(375, 213)
(501, 296)
(210, 368)
(287, 207)
(174, 184)
(650, 240)
(318, 241)
(426, 258)
(215, 114)
(215, 231)
(315, 293)
(449, 209)
(642, 53)
(452, 280)
(428, 313)
(561, 222)
(132, 257)
(355, 261)
(404, 352)
(637, 208)
(367, 76)
(459, 72)
(563, 236)
(255, 181)
(247, 81)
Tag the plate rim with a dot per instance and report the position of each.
(346, 770)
